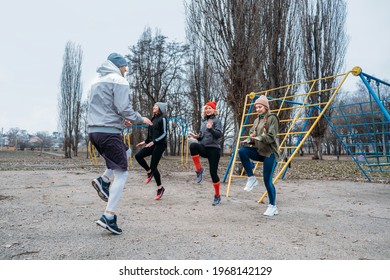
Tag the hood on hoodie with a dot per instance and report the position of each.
(108, 67)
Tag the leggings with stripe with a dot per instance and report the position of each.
(269, 163)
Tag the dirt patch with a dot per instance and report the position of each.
(49, 213)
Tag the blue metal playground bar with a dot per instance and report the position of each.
(366, 78)
(367, 161)
(358, 144)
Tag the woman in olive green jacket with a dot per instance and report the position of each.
(261, 145)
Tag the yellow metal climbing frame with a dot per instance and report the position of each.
(92, 153)
(299, 108)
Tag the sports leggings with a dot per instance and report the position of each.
(212, 154)
(156, 151)
(250, 153)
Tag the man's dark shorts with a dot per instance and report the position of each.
(112, 148)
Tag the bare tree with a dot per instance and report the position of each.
(279, 51)
(199, 77)
(13, 136)
(70, 96)
(84, 124)
(324, 44)
(229, 31)
(156, 74)
(206, 86)
(47, 139)
(180, 110)
(251, 45)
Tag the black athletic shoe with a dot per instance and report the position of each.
(199, 176)
(160, 193)
(109, 224)
(102, 188)
(217, 200)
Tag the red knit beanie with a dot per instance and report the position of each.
(212, 104)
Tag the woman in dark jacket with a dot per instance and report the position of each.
(208, 146)
(155, 145)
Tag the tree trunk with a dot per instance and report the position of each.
(317, 148)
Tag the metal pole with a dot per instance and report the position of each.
(376, 98)
(1, 140)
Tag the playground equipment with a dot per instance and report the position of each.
(127, 131)
(300, 107)
(363, 128)
(92, 153)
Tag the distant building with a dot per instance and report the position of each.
(4, 142)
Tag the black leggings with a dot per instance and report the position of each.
(156, 151)
(212, 154)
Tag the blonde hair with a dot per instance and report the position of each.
(265, 122)
(216, 113)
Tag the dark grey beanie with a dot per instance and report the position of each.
(163, 107)
(117, 59)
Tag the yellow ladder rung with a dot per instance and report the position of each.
(300, 119)
(282, 95)
(288, 147)
(293, 133)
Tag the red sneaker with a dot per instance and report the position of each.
(149, 178)
(160, 193)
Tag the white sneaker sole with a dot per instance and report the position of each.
(250, 188)
(96, 185)
(271, 214)
(100, 223)
(105, 226)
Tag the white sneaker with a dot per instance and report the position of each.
(252, 182)
(271, 210)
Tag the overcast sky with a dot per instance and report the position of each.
(34, 34)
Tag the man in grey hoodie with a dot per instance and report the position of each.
(109, 110)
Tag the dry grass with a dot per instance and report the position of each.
(301, 167)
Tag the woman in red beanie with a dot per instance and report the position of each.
(208, 146)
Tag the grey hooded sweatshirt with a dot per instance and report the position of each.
(110, 101)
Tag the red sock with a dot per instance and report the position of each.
(216, 187)
(196, 160)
